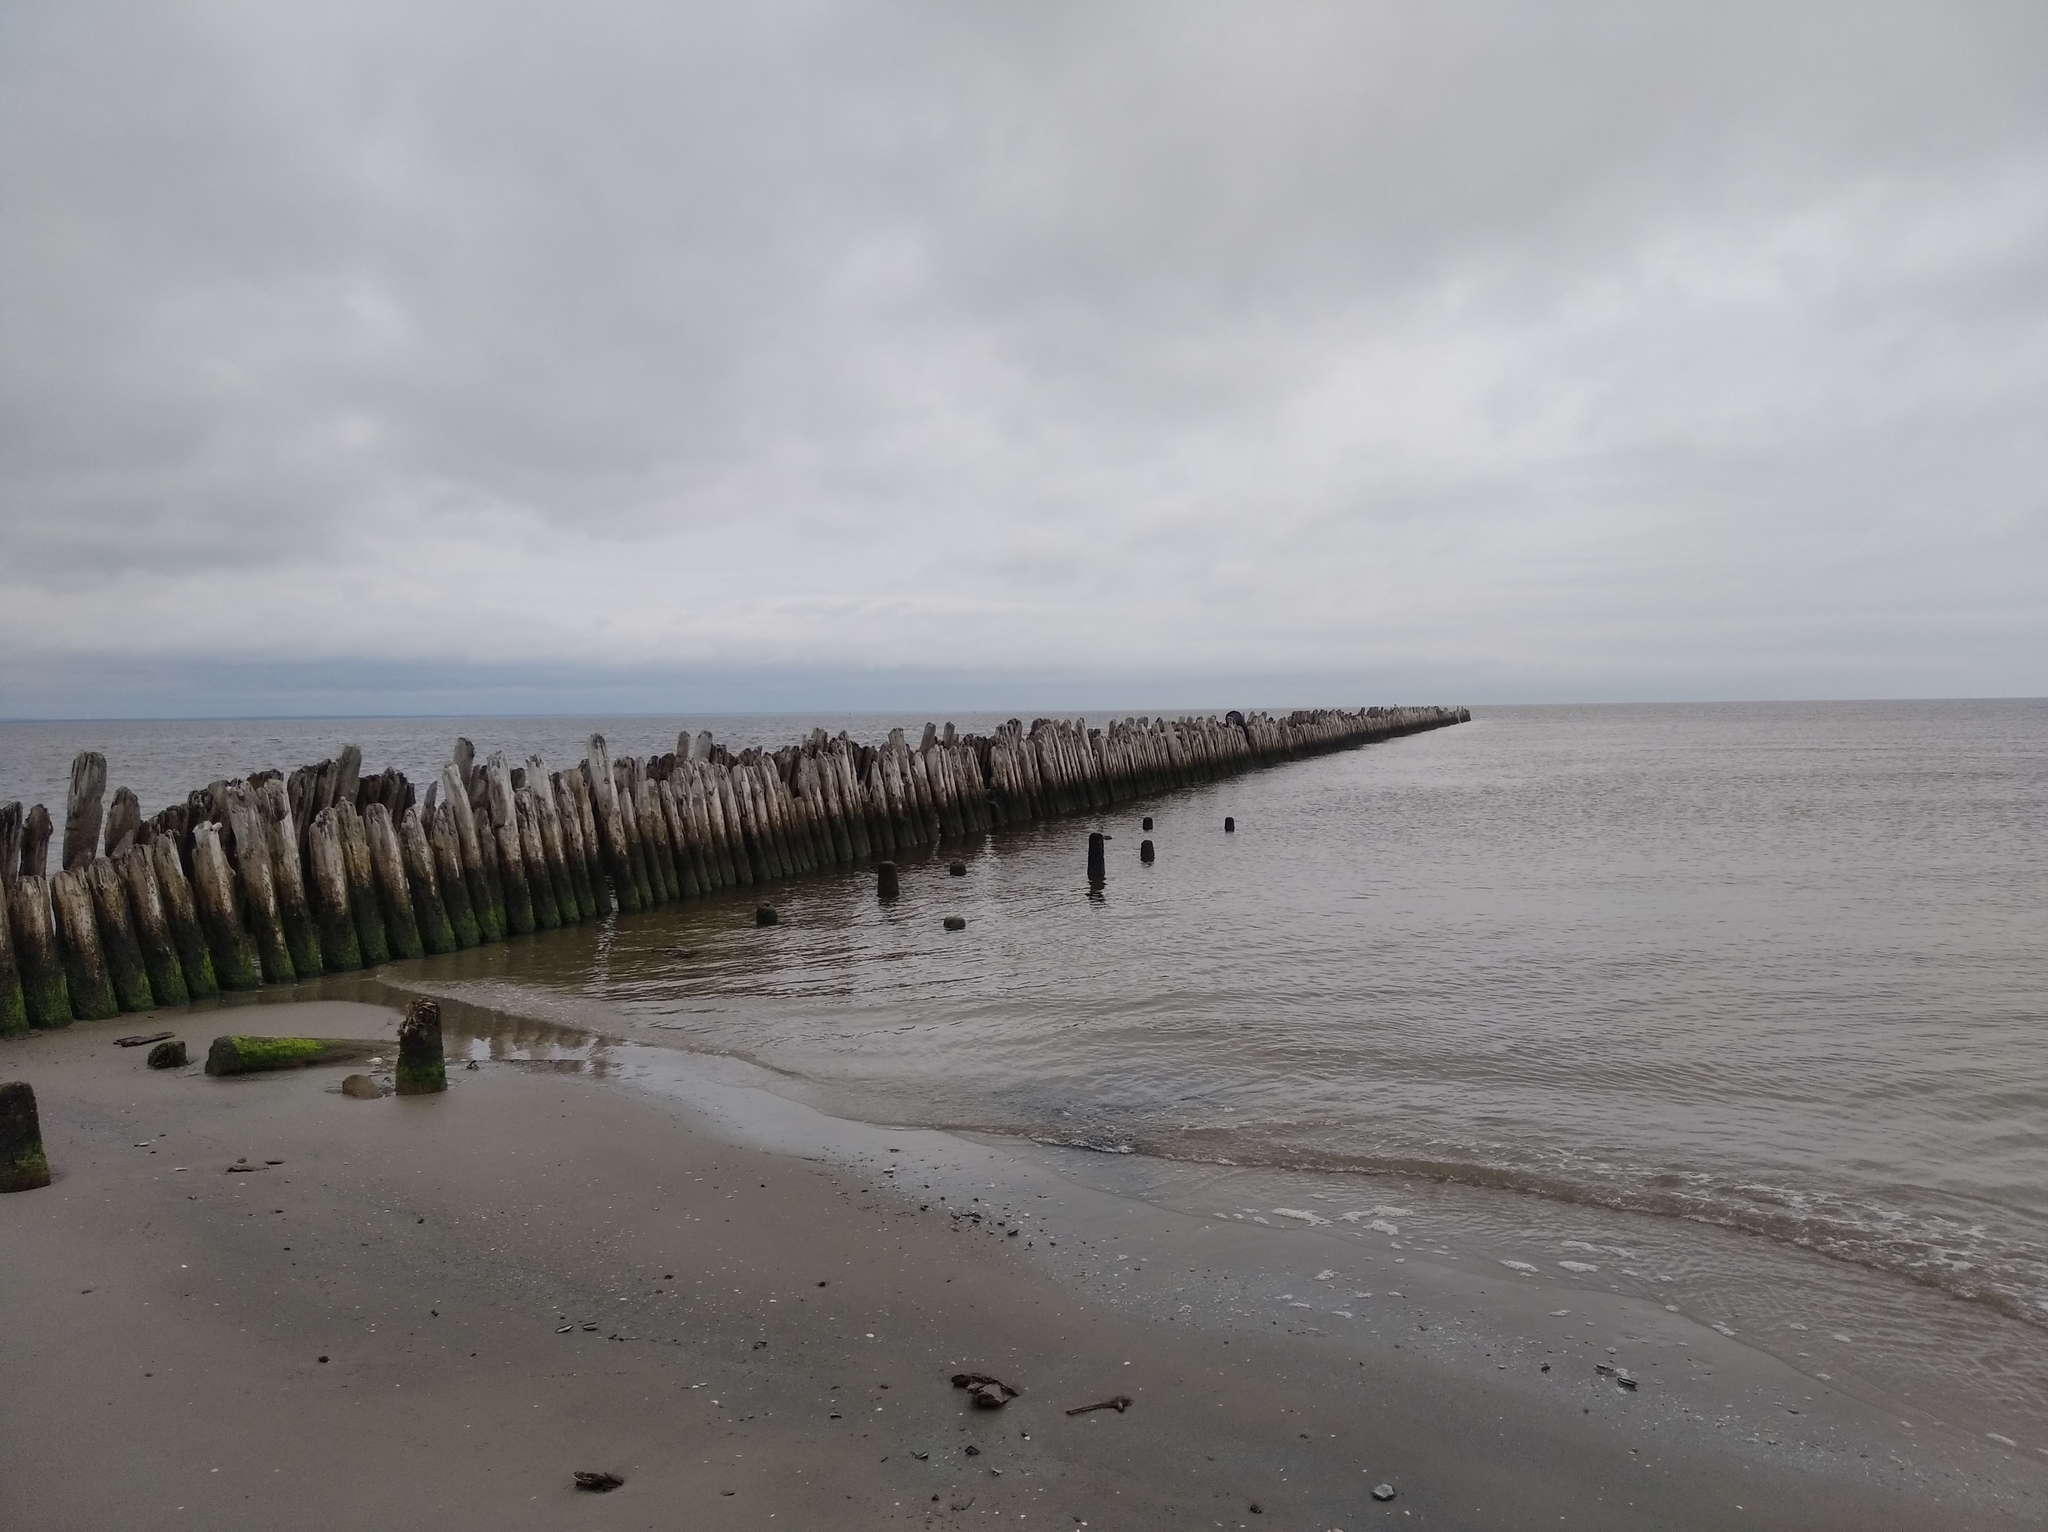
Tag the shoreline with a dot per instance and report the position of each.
(536, 1195)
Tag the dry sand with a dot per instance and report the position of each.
(366, 1334)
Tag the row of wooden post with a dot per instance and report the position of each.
(278, 878)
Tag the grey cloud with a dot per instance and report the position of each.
(1563, 351)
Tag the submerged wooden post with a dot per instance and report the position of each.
(611, 825)
(83, 808)
(23, 1165)
(235, 961)
(1229, 825)
(387, 860)
(85, 961)
(118, 942)
(422, 1069)
(45, 993)
(341, 949)
(1097, 864)
(1144, 851)
(887, 886)
(181, 910)
(152, 927)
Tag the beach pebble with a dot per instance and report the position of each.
(362, 1087)
(169, 1055)
(956, 922)
(1383, 1492)
(600, 1482)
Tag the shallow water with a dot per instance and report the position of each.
(1776, 969)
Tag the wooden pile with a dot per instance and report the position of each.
(277, 877)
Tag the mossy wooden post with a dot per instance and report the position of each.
(301, 931)
(341, 949)
(547, 914)
(45, 992)
(249, 1055)
(235, 961)
(152, 926)
(683, 834)
(13, 1007)
(394, 895)
(422, 1070)
(84, 806)
(78, 938)
(248, 824)
(504, 828)
(636, 848)
(365, 904)
(118, 943)
(437, 934)
(611, 825)
(577, 780)
(181, 910)
(662, 874)
(35, 842)
(554, 843)
(447, 850)
(484, 901)
(575, 856)
(23, 1165)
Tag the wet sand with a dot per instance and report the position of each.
(775, 1331)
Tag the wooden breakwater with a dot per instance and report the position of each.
(283, 876)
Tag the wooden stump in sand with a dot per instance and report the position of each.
(235, 963)
(422, 1071)
(341, 950)
(394, 895)
(23, 1166)
(437, 934)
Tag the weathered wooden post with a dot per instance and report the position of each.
(341, 950)
(1229, 825)
(569, 826)
(124, 820)
(78, 939)
(83, 808)
(1144, 851)
(13, 1008)
(504, 826)
(437, 932)
(35, 842)
(611, 825)
(422, 1070)
(547, 915)
(886, 885)
(1098, 869)
(447, 847)
(484, 901)
(10, 844)
(401, 925)
(23, 1165)
(235, 961)
(1148, 822)
(152, 927)
(249, 826)
(118, 943)
(301, 932)
(181, 910)
(45, 993)
(364, 902)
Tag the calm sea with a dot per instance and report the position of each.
(1587, 987)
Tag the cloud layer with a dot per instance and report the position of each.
(1503, 351)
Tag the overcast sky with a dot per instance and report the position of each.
(487, 357)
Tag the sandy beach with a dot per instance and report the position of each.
(763, 1310)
